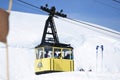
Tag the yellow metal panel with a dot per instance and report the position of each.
(72, 65)
(62, 65)
(48, 64)
(42, 64)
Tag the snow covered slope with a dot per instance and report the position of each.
(26, 31)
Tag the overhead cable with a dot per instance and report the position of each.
(75, 20)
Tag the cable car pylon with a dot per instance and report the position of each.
(50, 28)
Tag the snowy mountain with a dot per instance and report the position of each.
(87, 39)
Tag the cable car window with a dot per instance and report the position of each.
(48, 52)
(57, 53)
(67, 53)
(39, 53)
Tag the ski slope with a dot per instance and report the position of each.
(26, 31)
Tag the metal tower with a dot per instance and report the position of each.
(50, 36)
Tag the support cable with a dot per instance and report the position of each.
(118, 1)
(74, 20)
(29, 4)
(89, 25)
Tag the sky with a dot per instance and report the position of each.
(102, 12)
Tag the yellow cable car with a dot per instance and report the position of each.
(51, 55)
(53, 59)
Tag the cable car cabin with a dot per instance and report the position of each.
(51, 55)
(53, 59)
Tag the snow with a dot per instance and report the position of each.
(26, 31)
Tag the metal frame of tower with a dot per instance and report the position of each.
(50, 24)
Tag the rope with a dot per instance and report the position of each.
(10, 6)
(7, 55)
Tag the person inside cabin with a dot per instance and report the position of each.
(41, 55)
(49, 54)
(55, 55)
(67, 56)
(46, 55)
(59, 55)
